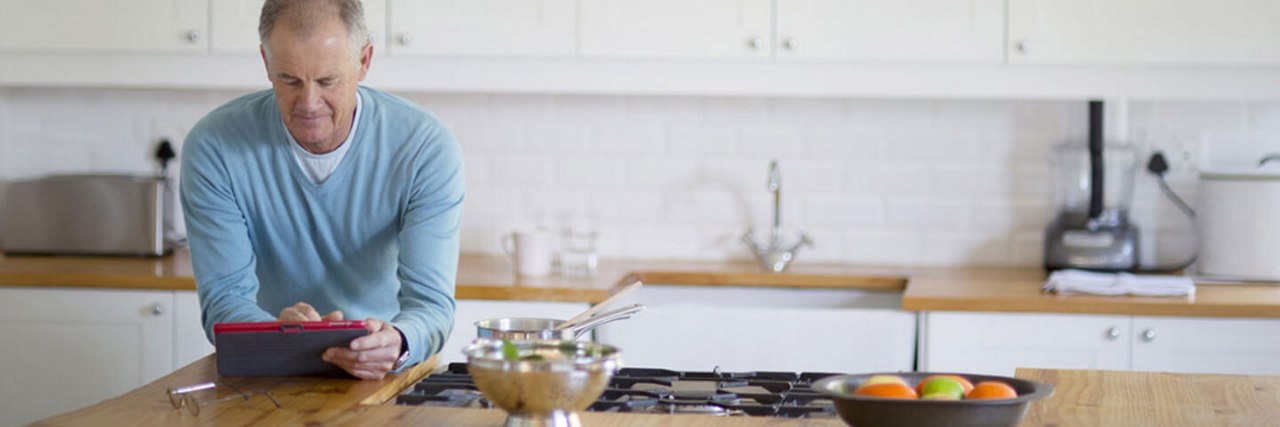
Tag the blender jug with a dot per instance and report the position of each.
(1094, 188)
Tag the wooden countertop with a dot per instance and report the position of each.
(1081, 398)
(924, 289)
(1113, 398)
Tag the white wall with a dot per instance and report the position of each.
(925, 182)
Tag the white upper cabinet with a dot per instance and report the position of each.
(1166, 32)
(482, 27)
(891, 30)
(699, 29)
(234, 25)
(104, 26)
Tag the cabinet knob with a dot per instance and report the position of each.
(193, 36)
(788, 43)
(157, 309)
(405, 40)
(1113, 333)
(1020, 46)
(756, 43)
(1149, 335)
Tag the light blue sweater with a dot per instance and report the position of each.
(378, 238)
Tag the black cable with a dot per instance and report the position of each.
(1158, 166)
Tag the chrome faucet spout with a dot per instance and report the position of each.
(775, 186)
(776, 254)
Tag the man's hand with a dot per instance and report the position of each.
(303, 312)
(369, 357)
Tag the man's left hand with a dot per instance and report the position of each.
(369, 357)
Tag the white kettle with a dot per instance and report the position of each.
(1239, 216)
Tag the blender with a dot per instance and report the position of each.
(1094, 183)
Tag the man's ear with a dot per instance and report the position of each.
(262, 49)
(366, 58)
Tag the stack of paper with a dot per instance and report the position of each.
(1088, 282)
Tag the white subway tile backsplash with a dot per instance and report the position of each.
(843, 213)
(583, 172)
(629, 207)
(934, 213)
(906, 182)
(842, 144)
(557, 139)
(965, 248)
(625, 138)
(888, 178)
(702, 140)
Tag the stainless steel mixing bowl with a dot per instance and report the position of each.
(541, 382)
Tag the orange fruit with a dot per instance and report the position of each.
(991, 390)
(887, 390)
(963, 382)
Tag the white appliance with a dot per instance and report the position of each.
(1239, 215)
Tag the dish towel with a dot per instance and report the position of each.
(1089, 282)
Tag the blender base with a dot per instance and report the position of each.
(1108, 249)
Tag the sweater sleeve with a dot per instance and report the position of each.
(218, 235)
(428, 260)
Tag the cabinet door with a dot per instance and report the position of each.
(67, 348)
(482, 27)
(754, 329)
(189, 341)
(891, 30)
(998, 343)
(1144, 32)
(703, 29)
(1202, 345)
(104, 26)
(471, 311)
(234, 25)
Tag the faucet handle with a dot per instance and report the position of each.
(804, 241)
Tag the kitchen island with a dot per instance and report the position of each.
(1082, 398)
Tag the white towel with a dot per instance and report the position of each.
(1088, 282)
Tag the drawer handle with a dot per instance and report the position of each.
(157, 309)
(1113, 333)
(1149, 335)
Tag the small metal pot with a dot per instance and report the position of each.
(532, 328)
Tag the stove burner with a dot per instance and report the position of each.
(662, 391)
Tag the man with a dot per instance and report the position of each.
(321, 196)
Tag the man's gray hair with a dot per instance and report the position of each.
(309, 13)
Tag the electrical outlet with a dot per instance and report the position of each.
(1182, 155)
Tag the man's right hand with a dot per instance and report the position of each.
(303, 312)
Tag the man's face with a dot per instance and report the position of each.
(315, 77)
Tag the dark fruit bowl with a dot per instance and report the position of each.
(866, 411)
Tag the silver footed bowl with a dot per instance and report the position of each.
(541, 382)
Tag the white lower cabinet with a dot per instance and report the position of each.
(1206, 345)
(189, 341)
(999, 343)
(765, 329)
(69, 348)
(471, 311)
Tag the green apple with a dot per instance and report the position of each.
(942, 388)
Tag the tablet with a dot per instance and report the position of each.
(275, 349)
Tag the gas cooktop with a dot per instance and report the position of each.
(645, 390)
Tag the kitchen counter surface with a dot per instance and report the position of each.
(924, 289)
(1081, 398)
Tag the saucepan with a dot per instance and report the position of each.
(532, 328)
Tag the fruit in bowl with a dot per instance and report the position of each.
(931, 399)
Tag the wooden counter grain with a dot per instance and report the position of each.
(1112, 398)
(1081, 398)
(489, 277)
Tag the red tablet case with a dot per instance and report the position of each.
(259, 349)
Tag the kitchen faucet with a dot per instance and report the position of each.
(775, 256)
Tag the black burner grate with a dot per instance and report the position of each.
(645, 390)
